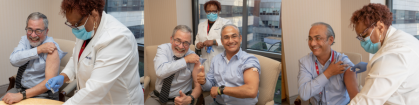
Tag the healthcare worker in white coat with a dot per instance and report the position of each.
(208, 39)
(393, 72)
(105, 58)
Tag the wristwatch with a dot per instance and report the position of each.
(24, 94)
(193, 100)
(222, 89)
(214, 42)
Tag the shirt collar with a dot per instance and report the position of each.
(238, 54)
(330, 58)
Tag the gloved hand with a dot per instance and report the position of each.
(55, 83)
(362, 66)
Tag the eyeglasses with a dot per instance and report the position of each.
(211, 12)
(178, 42)
(226, 37)
(360, 37)
(75, 26)
(317, 39)
(37, 32)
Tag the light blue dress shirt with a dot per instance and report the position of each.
(35, 70)
(165, 66)
(230, 74)
(310, 84)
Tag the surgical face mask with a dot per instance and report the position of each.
(369, 46)
(212, 17)
(81, 33)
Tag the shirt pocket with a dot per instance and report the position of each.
(338, 83)
(185, 75)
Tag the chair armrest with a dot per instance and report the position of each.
(205, 94)
(270, 103)
(12, 81)
(146, 81)
(70, 87)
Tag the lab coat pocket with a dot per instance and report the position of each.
(86, 66)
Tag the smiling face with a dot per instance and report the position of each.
(318, 42)
(178, 43)
(36, 24)
(231, 39)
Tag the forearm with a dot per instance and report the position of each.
(196, 92)
(244, 91)
(38, 89)
(351, 84)
(165, 69)
(309, 87)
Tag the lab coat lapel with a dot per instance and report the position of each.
(90, 47)
(214, 26)
(392, 32)
(77, 47)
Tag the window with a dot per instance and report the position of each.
(259, 21)
(264, 32)
(405, 15)
(131, 14)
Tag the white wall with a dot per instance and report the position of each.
(13, 22)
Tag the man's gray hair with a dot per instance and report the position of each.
(182, 28)
(227, 25)
(36, 16)
(330, 31)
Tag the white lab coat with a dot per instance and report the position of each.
(107, 71)
(393, 72)
(214, 33)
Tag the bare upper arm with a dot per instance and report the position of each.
(52, 64)
(251, 77)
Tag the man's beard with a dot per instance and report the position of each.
(35, 44)
(179, 55)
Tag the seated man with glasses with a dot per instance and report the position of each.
(233, 78)
(38, 58)
(324, 76)
(176, 66)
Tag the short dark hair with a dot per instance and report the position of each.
(372, 13)
(213, 2)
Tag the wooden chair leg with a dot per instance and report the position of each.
(12, 81)
(201, 100)
(62, 96)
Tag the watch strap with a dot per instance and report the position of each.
(193, 99)
(222, 89)
(23, 94)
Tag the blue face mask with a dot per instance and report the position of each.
(212, 17)
(81, 33)
(369, 46)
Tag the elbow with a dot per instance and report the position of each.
(14, 63)
(303, 97)
(253, 94)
